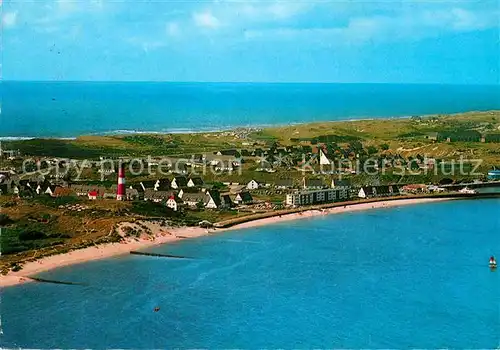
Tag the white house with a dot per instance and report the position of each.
(178, 182)
(173, 203)
(378, 191)
(323, 159)
(252, 185)
(243, 198)
(195, 182)
(50, 190)
(214, 200)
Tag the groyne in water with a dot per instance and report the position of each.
(43, 280)
(160, 255)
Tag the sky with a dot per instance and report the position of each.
(390, 41)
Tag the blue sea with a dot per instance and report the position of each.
(70, 109)
(406, 277)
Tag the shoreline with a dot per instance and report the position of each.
(236, 127)
(170, 235)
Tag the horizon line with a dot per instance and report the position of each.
(243, 82)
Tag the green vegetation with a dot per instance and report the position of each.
(28, 236)
(153, 209)
(49, 201)
(158, 142)
(5, 220)
(58, 148)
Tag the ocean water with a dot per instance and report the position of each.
(69, 109)
(406, 277)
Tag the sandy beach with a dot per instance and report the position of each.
(165, 235)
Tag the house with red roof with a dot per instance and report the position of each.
(174, 202)
(93, 195)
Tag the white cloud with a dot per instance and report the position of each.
(173, 29)
(9, 19)
(459, 19)
(206, 20)
(68, 6)
(413, 25)
(264, 11)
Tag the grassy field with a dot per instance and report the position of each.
(389, 129)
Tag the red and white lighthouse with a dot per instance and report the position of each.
(120, 190)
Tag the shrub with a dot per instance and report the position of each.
(5, 220)
(372, 149)
(45, 216)
(152, 209)
(31, 235)
(218, 185)
(55, 202)
(16, 268)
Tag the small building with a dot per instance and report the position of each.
(226, 201)
(184, 190)
(157, 196)
(92, 195)
(132, 194)
(338, 183)
(378, 191)
(162, 185)
(50, 190)
(243, 198)
(323, 158)
(178, 182)
(252, 185)
(149, 184)
(83, 190)
(415, 188)
(435, 136)
(214, 200)
(435, 188)
(229, 152)
(174, 202)
(194, 199)
(195, 182)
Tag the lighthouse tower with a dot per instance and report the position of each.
(120, 190)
